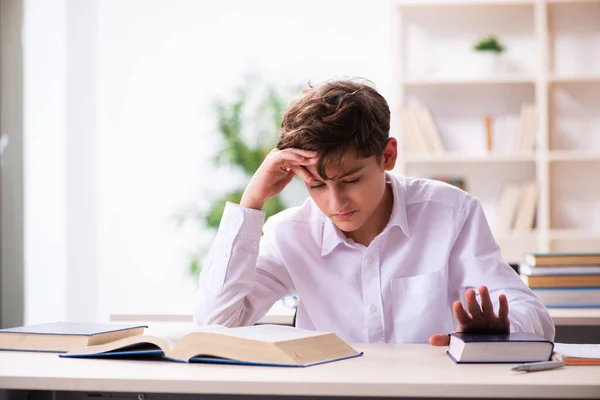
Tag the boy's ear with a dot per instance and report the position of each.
(390, 154)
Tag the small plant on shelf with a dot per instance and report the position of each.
(490, 44)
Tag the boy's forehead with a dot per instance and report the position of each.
(338, 167)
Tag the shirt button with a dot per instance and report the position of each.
(373, 308)
(225, 254)
(369, 260)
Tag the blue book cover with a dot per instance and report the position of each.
(260, 345)
(158, 355)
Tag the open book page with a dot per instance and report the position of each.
(578, 350)
(172, 334)
(269, 333)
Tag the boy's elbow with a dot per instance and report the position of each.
(225, 316)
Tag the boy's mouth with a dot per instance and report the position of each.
(342, 216)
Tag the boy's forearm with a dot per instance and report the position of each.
(227, 274)
(252, 203)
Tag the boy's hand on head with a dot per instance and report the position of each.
(274, 174)
(478, 319)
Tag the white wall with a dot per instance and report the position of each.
(158, 67)
(44, 137)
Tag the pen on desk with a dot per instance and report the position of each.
(539, 366)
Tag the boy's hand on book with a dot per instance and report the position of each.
(479, 319)
(275, 173)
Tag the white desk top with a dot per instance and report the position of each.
(384, 370)
(280, 314)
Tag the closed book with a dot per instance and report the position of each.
(64, 336)
(479, 348)
(555, 281)
(528, 270)
(267, 345)
(562, 259)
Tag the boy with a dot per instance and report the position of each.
(372, 257)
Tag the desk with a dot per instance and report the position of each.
(384, 371)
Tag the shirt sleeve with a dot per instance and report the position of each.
(242, 276)
(476, 260)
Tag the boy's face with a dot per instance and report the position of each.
(352, 196)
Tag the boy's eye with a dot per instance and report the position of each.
(352, 180)
(318, 186)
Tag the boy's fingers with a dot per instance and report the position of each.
(289, 158)
(441, 339)
(472, 304)
(302, 173)
(303, 153)
(486, 302)
(503, 308)
(461, 315)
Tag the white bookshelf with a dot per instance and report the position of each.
(551, 61)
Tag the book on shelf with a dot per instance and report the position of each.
(573, 297)
(561, 281)
(64, 336)
(517, 206)
(420, 133)
(526, 129)
(267, 345)
(528, 270)
(517, 347)
(562, 259)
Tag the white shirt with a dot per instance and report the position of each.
(399, 289)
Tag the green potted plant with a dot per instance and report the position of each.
(487, 57)
(248, 126)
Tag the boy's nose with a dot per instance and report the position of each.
(336, 201)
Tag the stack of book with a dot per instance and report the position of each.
(563, 280)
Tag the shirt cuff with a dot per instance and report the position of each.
(247, 222)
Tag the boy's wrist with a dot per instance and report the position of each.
(251, 202)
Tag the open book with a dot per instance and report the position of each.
(272, 345)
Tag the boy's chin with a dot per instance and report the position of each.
(348, 226)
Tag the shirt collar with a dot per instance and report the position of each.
(332, 236)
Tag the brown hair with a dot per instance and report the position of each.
(334, 118)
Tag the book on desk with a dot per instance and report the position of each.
(266, 345)
(518, 347)
(64, 336)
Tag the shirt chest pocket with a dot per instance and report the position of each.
(420, 306)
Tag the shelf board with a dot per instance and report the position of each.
(576, 79)
(498, 80)
(467, 158)
(573, 155)
(462, 3)
(505, 236)
(573, 234)
(571, 2)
